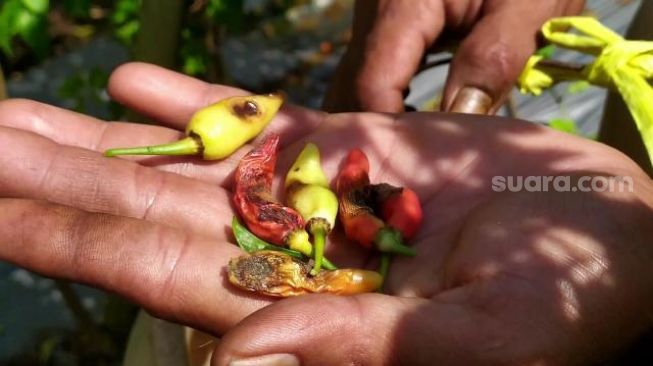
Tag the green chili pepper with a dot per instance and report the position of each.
(251, 243)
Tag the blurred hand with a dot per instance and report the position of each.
(391, 38)
(501, 278)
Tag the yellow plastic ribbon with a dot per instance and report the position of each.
(621, 65)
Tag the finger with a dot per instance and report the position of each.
(75, 129)
(370, 329)
(34, 167)
(573, 7)
(492, 56)
(172, 274)
(172, 98)
(384, 54)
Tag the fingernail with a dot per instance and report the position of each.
(471, 100)
(279, 359)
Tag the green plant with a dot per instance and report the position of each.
(26, 20)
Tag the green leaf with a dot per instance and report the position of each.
(194, 65)
(98, 78)
(47, 348)
(34, 31)
(195, 58)
(37, 6)
(228, 13)
(578, 87)
(9, 13)
(125, 11)
(71, 86)
(251, 243)
(78, 8)
(564, 125)
(127, 32)
(546, 52)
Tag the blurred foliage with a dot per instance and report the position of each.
(564, 125)
(32, 31)
(125, 20)
(27, 20)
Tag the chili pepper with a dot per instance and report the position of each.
(264, 216)
(400, 209)
(307, 191)
(251, 243)
(277, 274)
(403, 211)
(218, 130)
(358, 218)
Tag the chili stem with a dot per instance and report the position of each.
(185, 146)
(318, 250)
(328, 265)
(389, 241)
(384, 266)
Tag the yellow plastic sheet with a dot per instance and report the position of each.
(621, 65)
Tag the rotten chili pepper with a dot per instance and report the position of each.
(263, 215)
(277, 274)
(356, 212)
(403, 211)
(400, 209)
(216, 131)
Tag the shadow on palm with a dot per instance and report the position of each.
(548, 262)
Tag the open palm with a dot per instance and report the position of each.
(513, 277)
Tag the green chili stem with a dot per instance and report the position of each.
(318, 250)
(389, 240)
(250, 243)
(384, 266)
(186, 146)
(328, 265)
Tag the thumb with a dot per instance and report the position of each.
(492, 56)
(370, 329)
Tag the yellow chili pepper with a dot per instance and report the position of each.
(307, 191)
(218, 130)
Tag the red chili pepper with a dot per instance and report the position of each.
(263, 215)
(399, 207)
(356, 214)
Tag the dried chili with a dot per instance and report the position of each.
(263, 215)
(276, 274)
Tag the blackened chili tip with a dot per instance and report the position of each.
(246, 109)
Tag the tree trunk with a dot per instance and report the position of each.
(618, 128)
(157, 41)
(3, 85)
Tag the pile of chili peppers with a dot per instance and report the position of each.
(282, 240)
(378, 216)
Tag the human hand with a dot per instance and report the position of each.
(500, 277)
(390, 39)
(512, 277)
